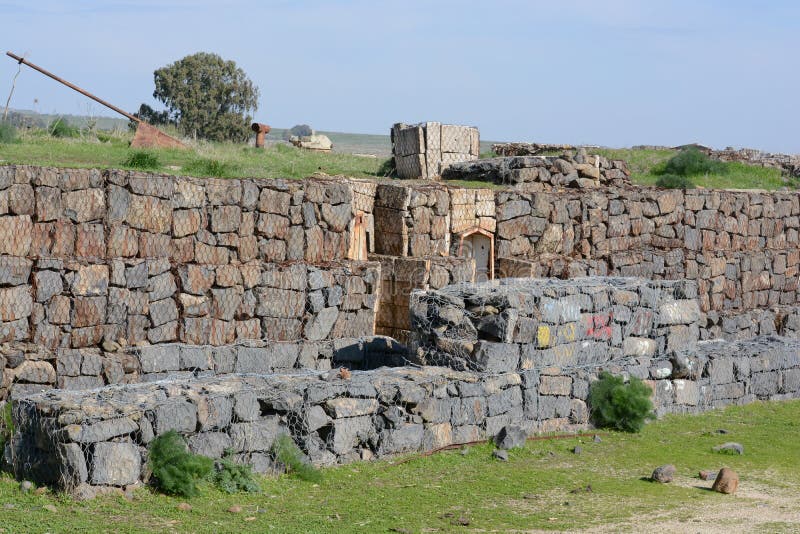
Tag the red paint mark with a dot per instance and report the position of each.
(597, 326)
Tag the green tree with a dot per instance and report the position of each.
(207, 97)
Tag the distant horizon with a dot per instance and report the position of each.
(615, 73)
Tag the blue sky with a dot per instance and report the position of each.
(615, 73)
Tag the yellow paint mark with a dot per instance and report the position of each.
(567, 332)
(543, 335)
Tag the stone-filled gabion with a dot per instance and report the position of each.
(527, 323)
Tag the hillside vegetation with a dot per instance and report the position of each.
(99, 149)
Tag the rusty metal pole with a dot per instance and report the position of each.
(73, 86)
(261, 131)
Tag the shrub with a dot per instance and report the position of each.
(211, 167)
(691, 162)
(61, 128)
(175, 469)
(615, 404)
(142, 160)
(673, 181)
(290, 455)
(8, 132)
(231, 477)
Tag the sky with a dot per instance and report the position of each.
(607, 72)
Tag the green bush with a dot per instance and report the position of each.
(8, 133)
(692, 162)
(61, 128)
(290, 455)
(175, 469)
(615, 404)
(673, 181)
(231, 477)
(211, 167)
(142, 160)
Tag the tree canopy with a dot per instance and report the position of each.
(206, 96)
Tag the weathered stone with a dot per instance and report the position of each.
(345, 407)
(256, 435)
(210, 444)
(85, 205)
(175, 414)
(15, 271)
(115, 464)
(91, 280)
(15, 303)
(663, 474)
(511, 437)
(727, 481)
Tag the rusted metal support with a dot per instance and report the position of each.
(261, 131)
(146, 136)
(73, 86)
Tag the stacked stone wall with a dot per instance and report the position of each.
(71, 439)
(517, 324)
(400, 276)
(112, 259)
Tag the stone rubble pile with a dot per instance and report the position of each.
(543, 172)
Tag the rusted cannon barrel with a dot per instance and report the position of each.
(261, 131)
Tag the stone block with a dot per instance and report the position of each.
(210, 444)
(255, 435)
(496, 357)
(555, 385)
(16, 271)
(115, 464)
(159, 359)
(91, 281)
(346, 407)
(175, 414)
(85, 205)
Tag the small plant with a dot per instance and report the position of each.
(61, 128)
(211, 167)
(175, 469)
(286, 452)
(142, 160)
(6, 426)
(615, 404)
(8, 133)
(231, 477)
(387, 169)
(692, 162)
(673, 181)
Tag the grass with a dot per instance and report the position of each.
(204, 159)
(110, 150)
(645, 164)
(531, 491)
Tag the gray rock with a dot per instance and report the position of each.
(730, 447)
(320, 326)
(101, 430)
(256, 435)
(210, 444)
(157, 359)
(664, 473)
(511, 437)
(115, 464)
(175, 414)
(500, 454)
